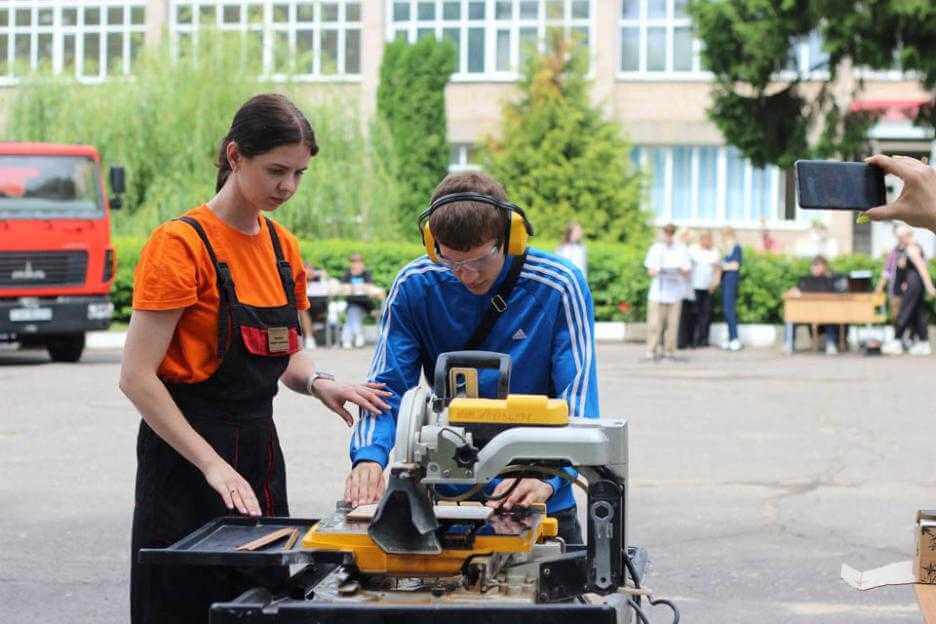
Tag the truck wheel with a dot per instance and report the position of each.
(66, 348)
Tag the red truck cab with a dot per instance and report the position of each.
(57, 262)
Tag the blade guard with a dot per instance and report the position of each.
(405, 522)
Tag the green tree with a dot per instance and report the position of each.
(560, 159)
(411, 103)
(748, 43)
(166, 124)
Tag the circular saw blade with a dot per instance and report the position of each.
(413, 414)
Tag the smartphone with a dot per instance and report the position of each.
(833, 185)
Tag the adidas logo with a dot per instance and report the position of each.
(519, 335)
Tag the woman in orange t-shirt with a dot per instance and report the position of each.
(215, 327)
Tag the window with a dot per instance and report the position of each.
(492, 38)
(310, 39)
(463, 158)
(656, 39)
(708, 185)
(89, 41)
(807, 56)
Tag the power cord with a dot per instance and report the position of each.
(635, 604)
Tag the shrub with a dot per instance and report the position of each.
(411, 103)
(616, 275)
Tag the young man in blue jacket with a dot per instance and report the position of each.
(438, 301)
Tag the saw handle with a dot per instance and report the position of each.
(478, 360)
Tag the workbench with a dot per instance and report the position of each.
(815, 309)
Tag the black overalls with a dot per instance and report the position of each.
(233, 411)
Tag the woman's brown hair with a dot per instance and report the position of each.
(263, 123)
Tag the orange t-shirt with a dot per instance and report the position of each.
(175, 271)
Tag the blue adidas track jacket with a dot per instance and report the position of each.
(548, 330)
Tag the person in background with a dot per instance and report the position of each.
(313, 276)
(822, 280)
(817, 242)
(914, 284)
(889, 277)
(769, 244)
(353, 331)
(573, 249)
(706, 271)
(730, 281)
(687, 313)
(668, 264)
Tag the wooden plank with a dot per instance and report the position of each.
(267, 539)
(292, 540)
(926, 597)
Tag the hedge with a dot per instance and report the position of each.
(616, 275)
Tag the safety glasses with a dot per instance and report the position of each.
(474, 265)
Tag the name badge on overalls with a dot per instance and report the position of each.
(278, 339)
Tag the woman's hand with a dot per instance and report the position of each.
(365, 484)
(527, 492)
(233, 488)
(368, 396)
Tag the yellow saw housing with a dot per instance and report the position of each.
(352, 537)
(516, 410)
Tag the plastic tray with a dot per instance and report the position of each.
(216, 543)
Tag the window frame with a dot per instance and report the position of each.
(670, 23)
(721, 218)
(462, 160)
(269, 29)
(490, 26)
(59, 31)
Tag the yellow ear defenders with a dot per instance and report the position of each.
(518, 231)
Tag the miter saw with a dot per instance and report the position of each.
(426, 552)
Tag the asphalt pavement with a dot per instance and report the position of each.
(754, 476)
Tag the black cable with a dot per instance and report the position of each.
(653, 601)
(513, 486)
(461, 497)
(631, 569)
(640, 613)
(663, 601)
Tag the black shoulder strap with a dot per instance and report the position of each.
(282, 265)
(226, 291)
(497, 306)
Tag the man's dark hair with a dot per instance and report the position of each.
(465, 225)
(262, 124)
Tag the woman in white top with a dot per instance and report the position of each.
(706, 272)
(572, 248)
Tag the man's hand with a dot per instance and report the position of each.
(527, 492)
(917, 202)
(365, 484)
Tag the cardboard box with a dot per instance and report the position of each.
(922, 569)
(924, 556)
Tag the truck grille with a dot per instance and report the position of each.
(42, 268)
